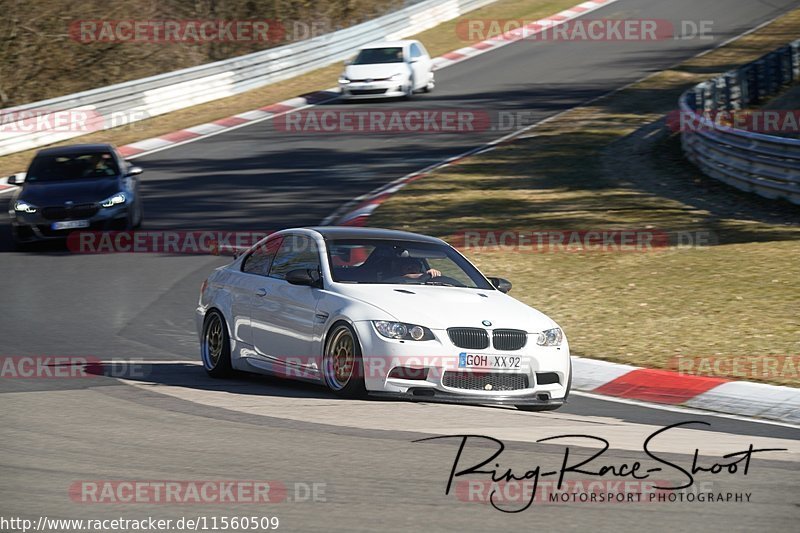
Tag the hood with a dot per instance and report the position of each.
(444, 307)
(50, 193)
(377, 71)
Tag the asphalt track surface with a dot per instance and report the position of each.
(167, 421)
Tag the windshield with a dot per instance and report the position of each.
(72, 166)
(371, 56)
(401, 262)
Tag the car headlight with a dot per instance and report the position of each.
(343, 78)
(402, 331)
(111, 201)
(399, 76)
(550, 337)
(24, 207)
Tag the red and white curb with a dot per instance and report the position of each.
(699, 392)
(177, 138)
(170, 140)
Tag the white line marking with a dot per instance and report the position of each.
(153, 143)
(205, 129)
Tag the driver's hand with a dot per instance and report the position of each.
(434, 273)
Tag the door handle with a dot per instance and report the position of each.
(261, 293)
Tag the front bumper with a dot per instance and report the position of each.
(375, 89)
(542, 378)
(30, 227)
(448, 397)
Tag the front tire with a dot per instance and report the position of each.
(410, 90)
(431, 85)
(215, 347)
(342, 363)
(138, 216)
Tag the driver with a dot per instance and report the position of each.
(413, 268)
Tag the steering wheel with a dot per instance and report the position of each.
(450, 281)
(402, 279)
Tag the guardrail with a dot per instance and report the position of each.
(767, 165)
(147, 97)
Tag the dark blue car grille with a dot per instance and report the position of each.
(76, 212)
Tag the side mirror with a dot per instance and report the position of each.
(502, 285)
(134, 171)
(16, 179)
(348, 62)
(303, 276)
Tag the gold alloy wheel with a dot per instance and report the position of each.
(340, 358)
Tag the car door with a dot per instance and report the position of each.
(247, 286)
(420, 64)
(286, 330)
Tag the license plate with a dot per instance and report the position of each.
(505, 362)
(70, 224)
(367, 86)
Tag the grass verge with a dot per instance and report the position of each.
(613, 165)
(438, 40)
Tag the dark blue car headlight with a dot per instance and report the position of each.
(24, 207)
(116, 199)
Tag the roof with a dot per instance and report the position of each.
(388, 44)
(76, 149)
(347, 232)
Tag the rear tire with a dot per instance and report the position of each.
(342, 364)
(215, 347)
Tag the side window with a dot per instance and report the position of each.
(296, 251)
(415, 51)
(260, 259)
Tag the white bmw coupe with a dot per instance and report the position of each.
(380, 312)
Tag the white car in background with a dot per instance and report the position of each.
(380, 312)
(388, 69)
